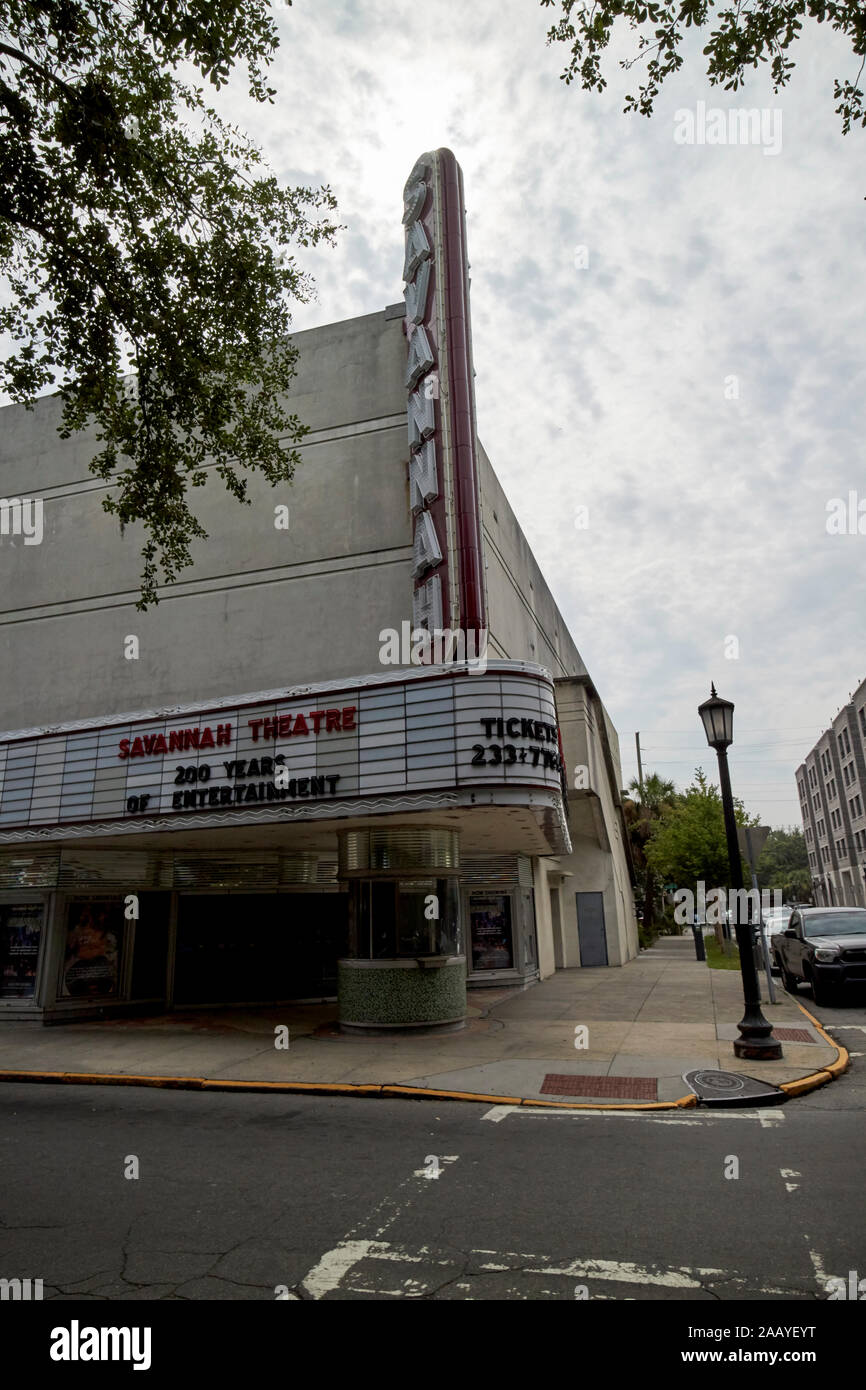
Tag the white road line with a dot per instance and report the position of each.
(818, 1266)
(768, 1118)
(333, 1267)
(790, 1173)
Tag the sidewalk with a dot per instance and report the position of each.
(647, 1023)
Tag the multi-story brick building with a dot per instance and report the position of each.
(832, 786)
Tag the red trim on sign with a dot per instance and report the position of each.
(125, 722)
(462, 396)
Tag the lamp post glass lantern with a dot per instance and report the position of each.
(717, 716)
(755, 1041)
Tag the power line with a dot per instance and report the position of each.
(695, 733)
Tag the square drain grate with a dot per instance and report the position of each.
(793, 1035)
(614, 1087)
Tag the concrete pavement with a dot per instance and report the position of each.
(645, 1025)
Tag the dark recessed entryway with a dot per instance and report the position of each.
(253, 947)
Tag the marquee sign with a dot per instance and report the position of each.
(310, 753)
(443, 466)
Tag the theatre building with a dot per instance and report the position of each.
(287, 780)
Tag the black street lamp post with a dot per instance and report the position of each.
(755, 1041)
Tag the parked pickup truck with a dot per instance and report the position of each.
(826, 947)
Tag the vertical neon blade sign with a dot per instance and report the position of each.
(448, 566)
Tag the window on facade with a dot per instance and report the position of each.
(392, 921)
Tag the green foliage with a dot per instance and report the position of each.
(688, 842)
(784, 864)
(140, 233)
(643, 804)
(743, 36)
(724, 957)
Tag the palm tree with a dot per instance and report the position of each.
(644, 803)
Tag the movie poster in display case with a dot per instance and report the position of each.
(490, 925)
(20, 935)
(93, 937)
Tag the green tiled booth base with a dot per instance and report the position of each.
(394, 994)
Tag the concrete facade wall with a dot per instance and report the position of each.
(542, 869)
(260, 607)
(599, 860)
(523, 619)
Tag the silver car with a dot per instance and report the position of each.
(773, 921)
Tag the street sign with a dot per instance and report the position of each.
(752, 839)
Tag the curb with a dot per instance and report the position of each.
(322, 1088)
(804, 1084)
(801, 1086)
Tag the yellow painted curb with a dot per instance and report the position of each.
(804, 1084)
(327, 1088)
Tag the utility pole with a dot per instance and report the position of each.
(639, 767)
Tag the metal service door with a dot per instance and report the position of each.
(590, 929)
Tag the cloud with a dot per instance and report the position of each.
(613, 383)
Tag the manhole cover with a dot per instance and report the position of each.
(731, 1088)
(719, 1080)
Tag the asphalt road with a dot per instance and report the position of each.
(257, 1197)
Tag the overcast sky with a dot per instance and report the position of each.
(611, 385)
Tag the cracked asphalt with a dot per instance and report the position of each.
(262, 1197)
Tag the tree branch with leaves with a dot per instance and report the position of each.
(746, 34)
(142, 235)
